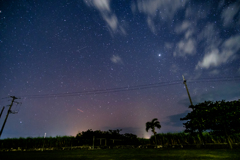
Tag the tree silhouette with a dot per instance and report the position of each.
(151, 125)
(220, 117)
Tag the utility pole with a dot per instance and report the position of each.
(9, 111)
(198, 125)
(2, 111)
(185, 83)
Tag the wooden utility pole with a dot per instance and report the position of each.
(9, 111)
(2, 111)
(185, 83)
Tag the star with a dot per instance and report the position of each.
(125, 61)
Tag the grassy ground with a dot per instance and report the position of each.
(125, 154)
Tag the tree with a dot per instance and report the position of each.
(221, 118)
(198, 119)
(151, 125)
(226, 119)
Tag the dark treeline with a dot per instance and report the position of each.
(111, 137)
(86, 138)
(173, 139)
(208, 122)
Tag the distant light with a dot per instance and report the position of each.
(159, 55)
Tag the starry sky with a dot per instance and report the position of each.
(114, 64)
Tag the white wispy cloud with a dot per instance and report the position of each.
(216, 50)
(103, 6)
(159, 9)
(229, 12)
(195, 13)
(151, 24)
(116, 59)
(183, 27)
(187, 45)
(216, 57)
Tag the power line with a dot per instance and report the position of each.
(130, 88)
(217, 78)
(105, 91)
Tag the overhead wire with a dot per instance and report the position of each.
(129, 88)
(214, 79)
(103, 91)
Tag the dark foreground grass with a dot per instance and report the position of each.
(125, 154)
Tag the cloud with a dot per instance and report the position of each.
(103, 6)
(232, 44)
(159, 9)
(216, 57)
(238, 71)
(209, 35)
(214, 72)
(151, 24)
(217, 51)
(116, 59)
(195, 12)
(168, 45)
(230, 12)
(210, 59)
(182, 27)
(186, 46)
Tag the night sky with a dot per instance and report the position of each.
(114, 64)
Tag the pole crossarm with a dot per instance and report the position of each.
(9, 111)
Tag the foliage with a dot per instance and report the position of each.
(38, 142)
(82, 138)
(221, 118)
(151, 125)
(112, 137)
(172, 139)
(165, 139)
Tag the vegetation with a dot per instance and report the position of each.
(113, 137)
(151, 125)
(38, 142)
(181, 139)
(220, 118)
(164, 139)
(208, 122)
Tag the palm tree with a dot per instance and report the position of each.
(154, 123)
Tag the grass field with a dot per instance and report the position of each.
(125, 154)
